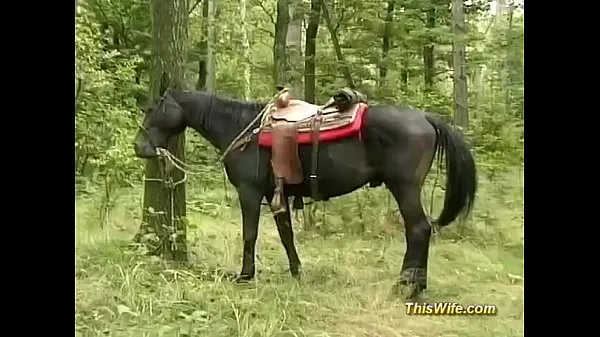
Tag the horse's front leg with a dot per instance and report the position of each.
(250, 199)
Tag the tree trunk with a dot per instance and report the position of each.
(210, 54)
(246, 46)
(508, 61)
(404, 74)
(387, 36)
(164, 205)
(404, 62)
(293, 44)
(310, 80)
(203, 47)
(500, 7)
(477, 88)
(279, 44)
(461, 112)
(336, 45)
(428, 59)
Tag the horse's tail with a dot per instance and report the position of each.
(461, 174)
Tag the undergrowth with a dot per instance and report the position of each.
(351, 260)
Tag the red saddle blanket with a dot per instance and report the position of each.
(343, 125)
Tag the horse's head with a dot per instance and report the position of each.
(163, 120)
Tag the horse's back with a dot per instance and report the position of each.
(402, 119)
(399, 141)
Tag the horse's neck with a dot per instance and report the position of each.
(214, 121)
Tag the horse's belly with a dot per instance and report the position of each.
(342, 168)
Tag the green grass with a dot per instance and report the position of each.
(346, 288)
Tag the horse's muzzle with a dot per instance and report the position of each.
(144, 150)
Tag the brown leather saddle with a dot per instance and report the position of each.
(286, 118)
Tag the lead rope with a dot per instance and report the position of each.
(167, 180)
(259, 116)
(173, 161)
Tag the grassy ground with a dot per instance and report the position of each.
(346, 288)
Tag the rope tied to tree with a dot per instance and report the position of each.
(167, 180)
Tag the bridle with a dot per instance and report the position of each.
(172, 161)
(143, 128)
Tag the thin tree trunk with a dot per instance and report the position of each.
(203, 47)
(210, 54)
(404, 74)
(461, 112)
(280, 76)
(164, 206)
(310, 86)
(387, 36)
(508, 63)
(500, 7)
(404, 65)
(336, 45)
(310, 82)
(293, 44)
(478, 88)
(428, 48)
(246, 47)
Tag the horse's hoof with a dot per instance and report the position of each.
(229, 275)
(408, 292)
(244, 278)
(296, 273)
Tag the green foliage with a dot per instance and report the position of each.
(106, 108)
(112, 43)
(350, 271)
(345, 289)
(498, 142)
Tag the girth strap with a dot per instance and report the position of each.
(314, 183)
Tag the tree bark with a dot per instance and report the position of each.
(246, 53)
(387, 36)
(201, 84)
(293, 44)
(500, 7)
(461, 112)
(210, 54)
(404, 62)
(508, 61)
(164, 206)
(428, 48)
(279, 44)
(310, 80)
(310, 83)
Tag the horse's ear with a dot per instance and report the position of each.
(168, 102)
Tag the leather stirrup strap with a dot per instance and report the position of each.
(314, 183)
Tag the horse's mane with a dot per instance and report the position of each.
(241, 111)
(238, 111)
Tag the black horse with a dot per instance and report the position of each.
(397, 148)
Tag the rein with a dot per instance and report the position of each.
(255, 131)
(173, 161)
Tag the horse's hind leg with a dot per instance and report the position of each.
(286, 233)
(413, 275)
